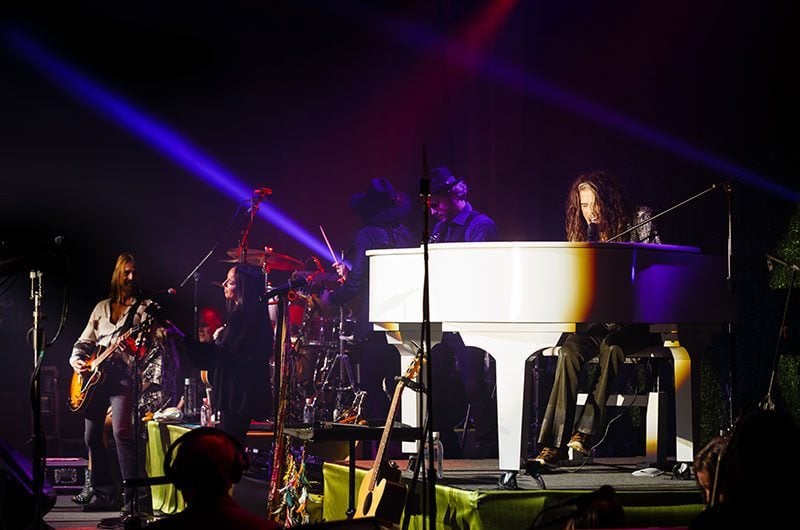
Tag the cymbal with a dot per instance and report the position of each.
(272, 260)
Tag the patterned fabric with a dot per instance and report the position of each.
(647, 233)
(159, 376)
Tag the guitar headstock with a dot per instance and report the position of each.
(413, 368)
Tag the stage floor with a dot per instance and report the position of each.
(640, 495)
(616, 472)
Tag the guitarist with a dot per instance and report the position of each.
(109, 320)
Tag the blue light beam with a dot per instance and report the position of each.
(151, 131)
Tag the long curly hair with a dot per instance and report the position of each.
(610, 201)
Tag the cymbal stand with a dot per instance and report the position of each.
(345, 371)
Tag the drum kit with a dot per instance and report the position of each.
(319, 338)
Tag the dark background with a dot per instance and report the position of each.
(312, 99)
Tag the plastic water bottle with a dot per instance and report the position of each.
(308, 411)
(190, 397)
(438, 451)
(205, 414)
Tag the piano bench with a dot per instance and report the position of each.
(654, 402)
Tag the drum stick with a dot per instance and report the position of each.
(330, 249)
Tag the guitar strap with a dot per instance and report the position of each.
(129, 318)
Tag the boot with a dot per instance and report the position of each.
(87, 493)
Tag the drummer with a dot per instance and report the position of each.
(381, 210)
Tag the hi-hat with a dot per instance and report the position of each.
(270, 260)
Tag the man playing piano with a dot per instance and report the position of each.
(596, 210)
(458, 221)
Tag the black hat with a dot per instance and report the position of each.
(442, 181)
(380, 203)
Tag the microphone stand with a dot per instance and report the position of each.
(38, 452)
(726, 185)
(429, 478)
(195, 274)
(195, 271)
(136, 518)
(767, 404)
(668, 210)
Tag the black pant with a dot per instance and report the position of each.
(610, 347)
(117, 391)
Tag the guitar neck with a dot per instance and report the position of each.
(113, 347)
(387, 429)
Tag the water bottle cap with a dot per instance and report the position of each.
(186, 381)
(309, 401)
(435, 435)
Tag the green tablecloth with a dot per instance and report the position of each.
(160, 436)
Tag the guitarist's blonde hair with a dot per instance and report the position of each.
(117, 293)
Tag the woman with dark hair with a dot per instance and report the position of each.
(596, 210)
(237, 358)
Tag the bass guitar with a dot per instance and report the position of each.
(381, 494)
(83, 384)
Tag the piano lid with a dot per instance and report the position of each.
(551, 282)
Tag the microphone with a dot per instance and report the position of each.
(425, 178)
(592, 234)
(282, 290)
(146, 293)
(262, 192)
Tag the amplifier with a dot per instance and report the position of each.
(66, 474)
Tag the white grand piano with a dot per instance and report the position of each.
(515, 298)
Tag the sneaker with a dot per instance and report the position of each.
(580, 442)
(548, 456)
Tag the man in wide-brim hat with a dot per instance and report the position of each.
(380, 203)
(381, 210)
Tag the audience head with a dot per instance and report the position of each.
(205, 462)
(708, 471)
(603, 511)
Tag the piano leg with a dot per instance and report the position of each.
(511, 349)
(406, 336)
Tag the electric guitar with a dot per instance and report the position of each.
(83, 384)
(381, 494)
